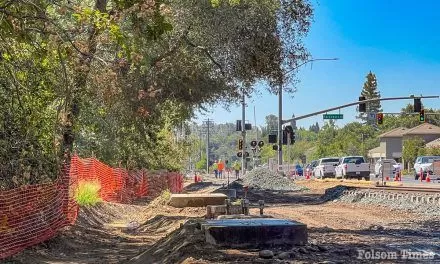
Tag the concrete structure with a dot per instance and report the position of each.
(242, 233)
(197, 199)
(213, 211)
(391, 142)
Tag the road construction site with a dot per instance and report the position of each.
(344, 221)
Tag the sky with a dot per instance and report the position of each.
(397, 40)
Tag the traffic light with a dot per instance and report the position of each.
(291, 133)
(272, 139)
(285, 137)
(379, 118)
(292, 138)
(422, 115)
(362, 106)
(254, 143)
(238, 125)
(417, 105)
(240, 144)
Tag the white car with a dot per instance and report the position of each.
(424, 164)
(326, 167)
(378, 168)
(353, 167)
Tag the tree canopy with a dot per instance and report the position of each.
(113, 78)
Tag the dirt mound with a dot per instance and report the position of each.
(263, 178)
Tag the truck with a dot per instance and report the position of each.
(326, 167)
(353, 167)
(424, 165)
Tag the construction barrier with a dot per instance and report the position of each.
(32, 214)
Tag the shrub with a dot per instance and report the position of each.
(88, 193)
(165, 195)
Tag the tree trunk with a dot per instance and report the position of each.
(72, 107)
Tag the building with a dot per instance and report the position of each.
(433, 144)
(391, 142)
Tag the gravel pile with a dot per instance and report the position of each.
(265, 179)
(402, 203)
(334, 193)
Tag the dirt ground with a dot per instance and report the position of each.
(152, 232)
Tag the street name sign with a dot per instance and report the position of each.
(333, 116)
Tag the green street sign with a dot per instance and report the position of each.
(333, 116)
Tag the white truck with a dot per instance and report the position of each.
(326, 167)
(424, 165)
(353, 167)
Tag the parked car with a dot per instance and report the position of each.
(378, 167)
(326, 167)
(311, 166)
(424, 164)
(353, 167)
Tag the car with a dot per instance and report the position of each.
(424, 166)
(326, 167)
(378, 167)
(353, 167)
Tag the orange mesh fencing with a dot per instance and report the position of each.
(32, 214)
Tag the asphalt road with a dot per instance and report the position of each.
(409, 179)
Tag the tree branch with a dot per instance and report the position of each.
(205, 50)
(173, 49)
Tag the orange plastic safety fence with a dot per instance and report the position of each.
(32, 214)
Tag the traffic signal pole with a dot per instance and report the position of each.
(356, 103)
(243, 133)
(280, 127)
(280, 108)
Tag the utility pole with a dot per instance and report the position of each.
(243, 133)
(207, 124)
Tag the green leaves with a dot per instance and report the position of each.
(76, 66)
(216, 3)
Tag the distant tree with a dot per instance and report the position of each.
(412, 147)
(271, 122)
(314, 128)
(201, 164)
(370, 91)
(293, 123)
(435, 151)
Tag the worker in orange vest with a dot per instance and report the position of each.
(221, 167)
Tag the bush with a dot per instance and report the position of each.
(165, 195)
(88, 193)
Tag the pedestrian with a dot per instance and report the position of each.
(215, 167)
(221, 167)
(227, 167)
(237, 168)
